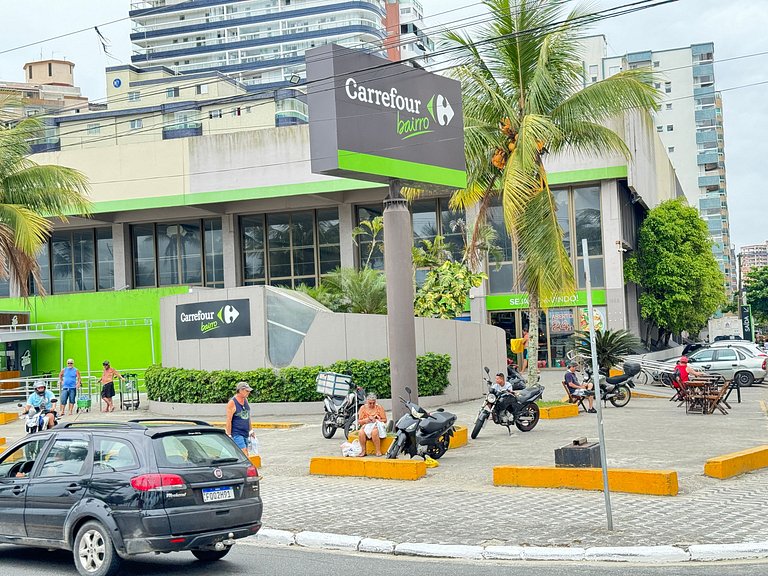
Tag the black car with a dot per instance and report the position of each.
(109, 491)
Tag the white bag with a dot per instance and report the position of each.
(253, 444)
(351, 448)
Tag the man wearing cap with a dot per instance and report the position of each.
(572, 381)
(108, 385)
(238, 422)
(69, 383)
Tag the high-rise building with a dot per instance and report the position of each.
(262, 42)
(690, 124)
(753, 256)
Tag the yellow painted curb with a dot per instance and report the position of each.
(270, 425)
(729, 465)
(6, 417)
(555, 412)
(646, 395)
(458, 440)
(3, 441)
(255, 460)
(368, 468)
(652, 482)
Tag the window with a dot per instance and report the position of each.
(214, 114)
(671, 149)
(669, 106)
(656, 64)
(50, 69)
(193, 449)
(22, 459)
(67, 457)
(77, 261)
(93, 129)
(172, 92)
(703, 356)
(587, 224)
(593, 72)
(178, 253)
(112, 455)
(668, 87)
(659, 128)
(236, 111)
(670, 127)
(134, 96)
(30, 72)
(136, 124)
(614, 70)
(657, 85)
(727, 355)
(201, 89)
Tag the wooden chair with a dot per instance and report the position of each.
(715, 398)
(572, 399)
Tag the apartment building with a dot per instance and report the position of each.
(753, 256)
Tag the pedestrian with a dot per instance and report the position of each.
(69, 384)
(108, 385)
(372, 420)
(238, 424)
(577, 389)
(526, 339)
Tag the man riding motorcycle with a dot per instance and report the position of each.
(44, 399)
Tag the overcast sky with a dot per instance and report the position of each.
(735, 32)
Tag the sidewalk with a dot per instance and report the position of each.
(457, 503)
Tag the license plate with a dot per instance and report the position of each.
(218, 494)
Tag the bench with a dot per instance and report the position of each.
(368, 467)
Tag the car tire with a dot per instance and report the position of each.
(744, 378)
(94, 551)
(211, 555)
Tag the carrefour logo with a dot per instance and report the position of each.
(411, 120)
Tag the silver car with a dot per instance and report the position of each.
(749, 348)
(731, 362)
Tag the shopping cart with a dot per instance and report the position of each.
(83, 403)
(129, 392)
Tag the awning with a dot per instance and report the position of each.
(17, 335)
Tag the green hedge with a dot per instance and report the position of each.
(289, 384)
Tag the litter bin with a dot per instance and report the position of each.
(578, 454)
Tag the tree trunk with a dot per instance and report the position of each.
(648, 329)
(533, 339)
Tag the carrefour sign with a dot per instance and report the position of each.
(218, 319)
(372, 119)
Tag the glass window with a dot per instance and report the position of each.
(587, 209)
(596, 273)
(113, 454)
(143, 255)
(83, 256)
(191, 449)
(61, 252)
(543, 350)
(501, 280)
(561, 329)
(452, 227)
(496, 219)
(44, 262)
(19, 463)
(303, 244)
(563, 216)
(374, 259)
(252, 231)
(67, 457)
(279, 245)
(703, 356)
(105, 259)
(424, 218)
(727, 355)
(179, 254)
(214, 253)
(328, 237)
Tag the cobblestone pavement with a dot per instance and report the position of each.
(458, 504)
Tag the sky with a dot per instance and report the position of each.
(735, 32)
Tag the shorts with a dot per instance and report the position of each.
(68, 396)
(525, 353)
(108, 390)
(241, 441)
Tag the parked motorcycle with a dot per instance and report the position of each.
(616, 389)
(36, 419)
(518, 407)
(341, 412)
(420, 433)
(515, 378)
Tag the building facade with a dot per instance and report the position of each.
(261, 43)
(690, 124)
(753, 256)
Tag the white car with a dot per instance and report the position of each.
(730, 362)
(750, 348)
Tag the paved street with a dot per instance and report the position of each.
(457, 503)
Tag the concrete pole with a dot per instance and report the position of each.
(398, 266)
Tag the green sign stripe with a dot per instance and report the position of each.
(520, 301)
(587, 175)
(371, 164)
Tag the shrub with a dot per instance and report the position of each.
(290, 384)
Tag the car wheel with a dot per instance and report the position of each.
(94, 552)
(744, 378)
(211, 555)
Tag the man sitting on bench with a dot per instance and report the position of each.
(576, 389)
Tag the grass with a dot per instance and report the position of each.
(550, 403)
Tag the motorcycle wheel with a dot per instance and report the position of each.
(479, 423)
(328, 428)
(622, 396)
(439, 448)
(350, 425)
(529, 413)
(395, 447)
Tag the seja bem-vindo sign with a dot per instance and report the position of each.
(372, 119)
(218, 319)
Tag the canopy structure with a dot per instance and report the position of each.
(17, 335)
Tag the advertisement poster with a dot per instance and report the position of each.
(561, 321)
(598, 318)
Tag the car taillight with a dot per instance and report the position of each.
(765, 362)
(149, 482)
(252, 472)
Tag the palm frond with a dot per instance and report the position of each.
(51, 190)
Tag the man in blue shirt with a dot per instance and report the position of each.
(577, 389)
(69, 382)
(42, 398)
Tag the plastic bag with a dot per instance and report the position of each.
(351, 448)
(253, 444)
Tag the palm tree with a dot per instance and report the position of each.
(611, 346)
(522, 75)
(30, 192)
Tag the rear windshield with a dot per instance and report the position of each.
(190, 449)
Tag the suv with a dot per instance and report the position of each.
(109, 491)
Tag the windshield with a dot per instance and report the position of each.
(190, 449)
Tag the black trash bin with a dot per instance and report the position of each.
(578, 454)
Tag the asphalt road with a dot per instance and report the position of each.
(265, 561)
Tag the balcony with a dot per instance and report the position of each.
(185, 130)
(704, 90)
(709, 182)
(706, 136)
(45, 145)
(707, 159)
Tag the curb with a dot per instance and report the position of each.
(623, 554)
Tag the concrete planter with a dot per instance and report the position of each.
(555, 412)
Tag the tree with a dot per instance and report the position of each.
(30, 192)
(372, 232)
(521, 75)
(445, 290)
(681, 280)
(756, 284)
(611, 346)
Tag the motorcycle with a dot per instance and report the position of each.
(518, 407)
(515, 378)
(616, 389)
(36, 419)
(420, 433)
(341, 412)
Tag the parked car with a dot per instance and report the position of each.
(750, 348)
(731, 363)
(109, 491)
(729, 338)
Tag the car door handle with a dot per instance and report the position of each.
(707, 366)
(18, 490)
(72, 488)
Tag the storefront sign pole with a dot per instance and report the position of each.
(398, 267)
(596, 381)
